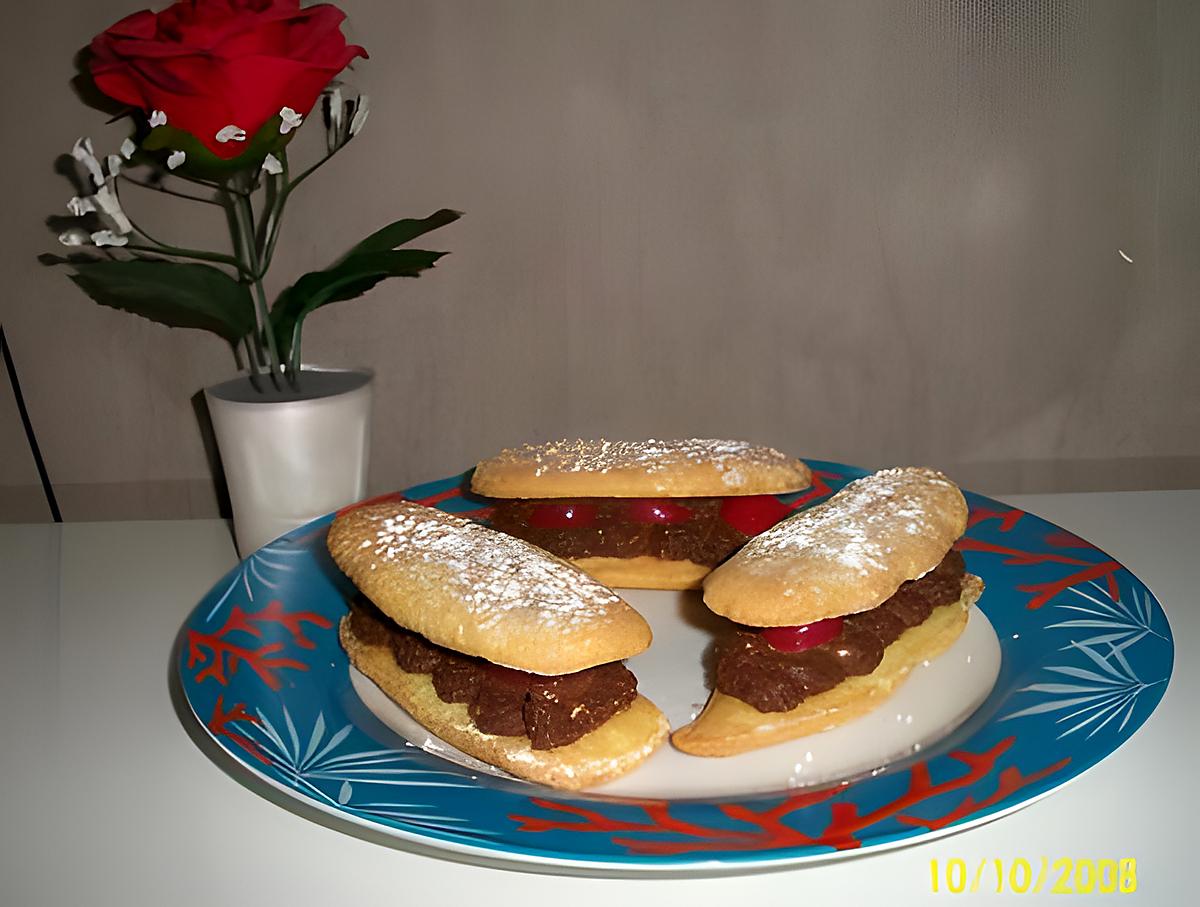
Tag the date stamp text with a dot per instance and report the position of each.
(1065, 875)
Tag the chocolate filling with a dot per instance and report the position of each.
(672, 529)
(751, 670)
(552, 710)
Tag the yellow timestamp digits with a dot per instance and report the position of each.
(1065, 875)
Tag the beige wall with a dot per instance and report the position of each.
(875, 232)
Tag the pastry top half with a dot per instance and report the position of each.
(634, 469)
(846, 555)
(483, 593)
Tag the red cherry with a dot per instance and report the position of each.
(567, 515)
(797, 639)
(753, 513)
(656, 510)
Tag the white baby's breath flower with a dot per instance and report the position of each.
(288, 120)
(128, 147)
(81, 206)
(271, 165)
(361, 110)
(157, 118)
(175, 159)
(109, 238)
(76, 236)
(83, 153)
(104, 202)
(335, 116)
(107, 201)
(231, 133)
(333, 109)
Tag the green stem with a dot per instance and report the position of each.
(260, 298)
(253, 371)
(137, 228)
(260, 237)
(216, 187)
(311, 170)
(276, 217)
(262, 314)
(176, 251)
(161, 188)
(295, 351)
(198, 255)
(257, 359)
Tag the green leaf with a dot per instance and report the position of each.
(402, 231)
(351, 277)
(174, 294)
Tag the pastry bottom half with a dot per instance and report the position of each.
(616, 747)
(728, 726)
(643, 572)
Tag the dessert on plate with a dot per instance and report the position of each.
(503, 651)
(836, 606)
(639, 514)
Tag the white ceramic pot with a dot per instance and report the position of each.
(291, 457)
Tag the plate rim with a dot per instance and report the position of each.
(524, 859)
(725, 862)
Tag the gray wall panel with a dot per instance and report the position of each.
(878, 232)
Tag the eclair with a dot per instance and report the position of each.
(501, 650)
(836, 606)
(639, 514)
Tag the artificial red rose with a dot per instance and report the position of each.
(212, 64)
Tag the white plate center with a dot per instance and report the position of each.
(935, 699)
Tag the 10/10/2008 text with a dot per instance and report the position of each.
(1064, 875)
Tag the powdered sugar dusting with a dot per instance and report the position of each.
(650, 456)
(491, 573)
(846, 529)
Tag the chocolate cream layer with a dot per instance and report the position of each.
(752, 670)
(702, 530)
(550, 710)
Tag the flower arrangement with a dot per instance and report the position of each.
(216, 91)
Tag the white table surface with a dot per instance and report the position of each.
(108, 800)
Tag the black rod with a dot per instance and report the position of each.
(30, 436)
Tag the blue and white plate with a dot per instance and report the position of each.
(1068, 651)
